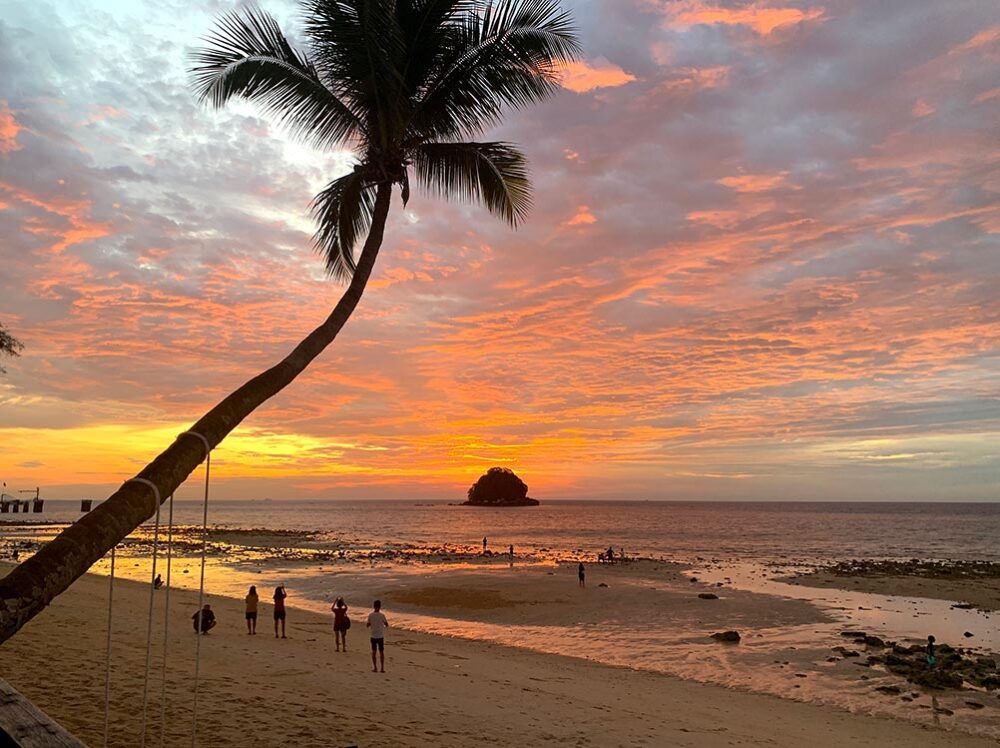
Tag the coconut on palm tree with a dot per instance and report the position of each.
(405, 84)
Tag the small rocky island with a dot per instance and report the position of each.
(499, 487)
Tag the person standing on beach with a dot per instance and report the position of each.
(611, 555)
(279, 610)
(931, 659)
(484, 544)
(511, 553)
(340, 622)
(582, 575)
(251, 610)
(378, 624)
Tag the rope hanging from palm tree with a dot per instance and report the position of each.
(166, 620)
(201, 584)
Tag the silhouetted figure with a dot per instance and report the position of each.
(378, 623)
(610, 555)
(251, 601)
(279, 610)
(582, 575)
(931, 659)
(511, 554)
(340, 622)
(158, 582)
(484, 544)
(204, 619)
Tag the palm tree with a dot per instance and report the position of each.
(402, 82)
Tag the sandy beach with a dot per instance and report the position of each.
(438, 691)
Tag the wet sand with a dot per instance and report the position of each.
(981, 593)
(439, 691)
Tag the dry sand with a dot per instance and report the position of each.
(438, 691)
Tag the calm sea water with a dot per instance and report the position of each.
(683, 531)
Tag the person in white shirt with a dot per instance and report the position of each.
(378, 624)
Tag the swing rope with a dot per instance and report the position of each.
(201, 586)
(166, 621)
(149, 619)
(107, 659)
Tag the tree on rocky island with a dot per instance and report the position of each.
(499, 487)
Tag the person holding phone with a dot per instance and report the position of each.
(279, 610)
(340, 622)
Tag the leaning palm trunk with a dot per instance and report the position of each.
(404, 82)
(31, 586)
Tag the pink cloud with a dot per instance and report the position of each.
(754, 182)
(9, 128)
(581, 76)
(760, 18)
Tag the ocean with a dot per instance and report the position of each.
(681, 531)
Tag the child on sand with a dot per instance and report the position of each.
(251, 610)
(206, 618)
(340, 622)
(279, 610)
(378, 624)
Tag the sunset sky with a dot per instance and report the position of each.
(762, 263)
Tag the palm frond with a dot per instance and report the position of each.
(493, 174)
(359, 48)
(343, 213)
(247, 56)
(509, 54)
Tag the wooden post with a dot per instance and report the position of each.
(24, 725)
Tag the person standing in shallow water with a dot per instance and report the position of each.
(251, 610)
(279, 610)
(378, 623)
(340, 622)
(582, 575)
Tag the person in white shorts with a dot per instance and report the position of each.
(378, 624)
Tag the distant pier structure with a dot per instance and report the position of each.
(14, 505)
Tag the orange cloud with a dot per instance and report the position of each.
(754, 182)
(695, 79)
(582, 76)
(762, 20)
(9, 128)
(983, 38)
(988, 95)
(73, 212)
(921, 109)
(583, 217)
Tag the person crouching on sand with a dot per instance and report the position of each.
(279, 610)
(378, 624)
(206, 618)
(251, 609)
(340, 622)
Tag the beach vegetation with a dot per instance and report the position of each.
(9, 345)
